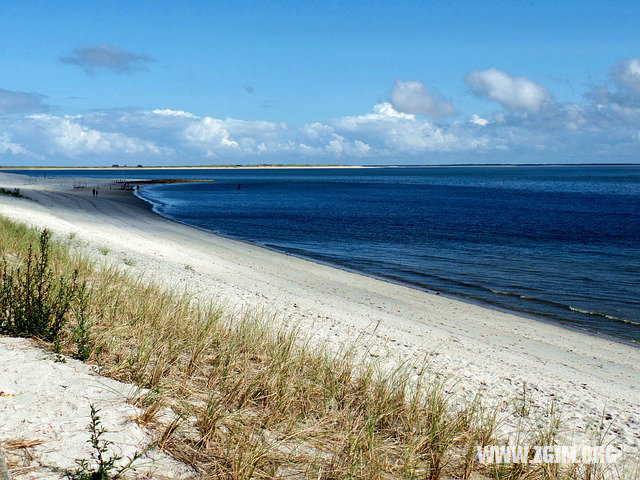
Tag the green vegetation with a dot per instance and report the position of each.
(33, 300)
(102, 465)
(15, 192)
(250, 398)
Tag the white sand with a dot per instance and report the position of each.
(50, 402)
(481, 348)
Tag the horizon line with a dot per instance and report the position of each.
(286, 165)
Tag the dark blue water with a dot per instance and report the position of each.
(558, 242)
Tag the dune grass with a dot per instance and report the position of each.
(14, 192)
(245, 396)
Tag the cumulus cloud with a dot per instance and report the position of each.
(339, 146)
(415, 97)
(627, 74)
(604, 127)
(173, 113)
(382, 132)
(513, 93)
(211, 133)
(92, 58)
(7, 146)
(65, 136)
(218, 137)
(21, 102)
(477, 120)
(618, 99)
(389, 132)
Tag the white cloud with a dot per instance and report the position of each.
(383, 133)
(9, 147)
(70, 138)
(210, 133)
(627, 74)
(339, 146)
(316, 131)
(389, 132)
(415, 97)
(173, 113)
(477, 120)
(225, 136)
(513, 93)
(605, 127)
(381, 112)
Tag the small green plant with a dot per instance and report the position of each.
(128, 262)
(12, 193)
(59, 358)
(102, 464)
(33, 300)
(189, 268)
(104, 251)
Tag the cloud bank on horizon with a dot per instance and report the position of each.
(414, 124)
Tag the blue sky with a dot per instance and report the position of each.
(318, 82)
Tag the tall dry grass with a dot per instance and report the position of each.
(248, 398)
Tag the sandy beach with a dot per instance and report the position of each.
(479, 349)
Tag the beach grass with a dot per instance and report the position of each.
(243, 395)
(14, 192)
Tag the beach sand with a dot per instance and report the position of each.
(48, 402)
(479, 349)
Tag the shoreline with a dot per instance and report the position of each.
(549, 319)
(482, 349)
(313, 166)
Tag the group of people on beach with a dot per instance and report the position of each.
(95, 192)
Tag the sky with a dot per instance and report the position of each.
(413, 82)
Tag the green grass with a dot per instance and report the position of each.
(15, 192)
(250, 398)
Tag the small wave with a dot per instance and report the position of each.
(579, 310)
(563, 306)
(603, 315)
(502, 292)
(525, 297)
(518, 295)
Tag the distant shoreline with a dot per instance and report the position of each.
(311, 166)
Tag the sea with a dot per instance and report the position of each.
(559, 243)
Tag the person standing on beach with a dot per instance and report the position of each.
(93, 192)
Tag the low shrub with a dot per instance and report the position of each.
(34, 301)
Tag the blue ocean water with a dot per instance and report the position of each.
(559, 242)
